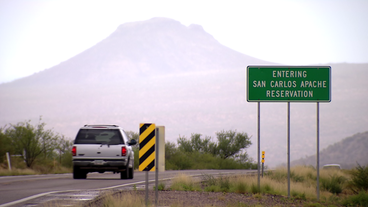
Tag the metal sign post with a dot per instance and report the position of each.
(8, 159)
(259, 144)
(156, 166)
(263, 160)
(288, 147)
(317, 151)
(146, 197)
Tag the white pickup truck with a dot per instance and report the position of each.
(101, 148)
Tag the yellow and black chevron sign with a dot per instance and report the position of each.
(147, 153)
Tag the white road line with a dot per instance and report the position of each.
(48, 193)
(107, 188)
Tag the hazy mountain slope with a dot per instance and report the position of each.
(158, 46)
(164, 72)
(348, 152)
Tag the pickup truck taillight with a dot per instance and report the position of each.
(74, 151)
(123, 151)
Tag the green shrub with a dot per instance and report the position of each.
(180, 161)
(209, 179)
(213, 188)
(240, 187)
(161, 186)
(360, 199)
(359, 180)
(254, 189)
(312, 205)
(221, 184)
(296, 178)
(204, 161)
(277, 175)
(297, 195)
(266, 188)
(333, 184)
(224, 183)
(67, 160)
(184, 183)
(310, 176)
(293, 193)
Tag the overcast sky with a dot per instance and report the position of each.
(38, 34)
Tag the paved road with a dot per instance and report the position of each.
(36, 189)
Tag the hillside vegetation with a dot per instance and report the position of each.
(32, 149)
(348, 152)
(35, 150)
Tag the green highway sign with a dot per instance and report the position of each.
(288, 83)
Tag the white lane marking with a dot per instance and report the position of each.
(26, 199)
(47, 193)
(107, 188)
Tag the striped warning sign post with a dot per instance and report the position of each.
(147, 140)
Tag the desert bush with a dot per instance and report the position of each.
(361, 199)
(184, 182)
(254, 188)
(16, 171)
(5, 145)
(295, 177)
(240, 187)
(224, 183)
(212, 188)
(180, 160)
(333, 184)
(121, 200)
(161, 186)
(303, 181)
(279, 175)
(359, 180)
(34, 144)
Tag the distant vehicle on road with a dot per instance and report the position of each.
(332, 166)
(101, 148)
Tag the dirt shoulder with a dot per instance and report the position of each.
(216, 199)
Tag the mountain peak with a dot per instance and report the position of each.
(151, 25)
(162, 26)
(196, 27)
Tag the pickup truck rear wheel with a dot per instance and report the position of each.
(125, 174)
(131, 172)
(78, 174)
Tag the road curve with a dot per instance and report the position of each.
(36, 189)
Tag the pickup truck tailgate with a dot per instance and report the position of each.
(97, 151)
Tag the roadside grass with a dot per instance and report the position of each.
(7, 172)
(302, 187)
(111, 199)
(303, 181)
(249, 184)
(36, 170)
(40, 166)
(274, 183)
(183, 182)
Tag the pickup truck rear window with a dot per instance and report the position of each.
(99, 136)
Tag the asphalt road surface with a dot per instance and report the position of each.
(33, 190)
